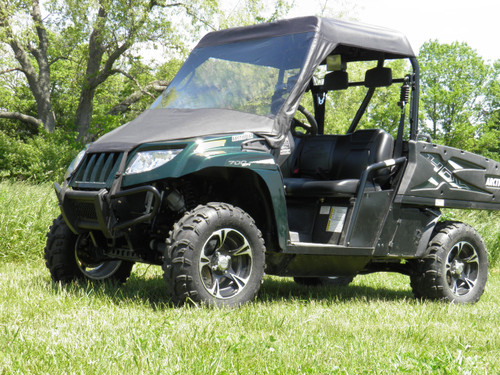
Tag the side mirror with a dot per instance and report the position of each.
(378, 77)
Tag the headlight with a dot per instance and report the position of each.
(75, 163)
(147, 160)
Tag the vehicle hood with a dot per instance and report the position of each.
(165, 124)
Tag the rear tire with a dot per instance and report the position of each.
(216, 257)
(455, 267)
(68, 257)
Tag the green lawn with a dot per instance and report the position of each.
(372, 326)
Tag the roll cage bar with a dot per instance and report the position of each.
(413, 80)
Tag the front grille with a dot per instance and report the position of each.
(97, 170)
(84, 210)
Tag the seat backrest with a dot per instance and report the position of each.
(362, 148)
(340, 157)
(314, 157)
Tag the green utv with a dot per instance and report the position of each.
(219, 182)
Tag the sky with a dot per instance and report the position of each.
(476, 22)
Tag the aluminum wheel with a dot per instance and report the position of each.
(455, 267)
(462, 268)
(225, 264)
(87, 259)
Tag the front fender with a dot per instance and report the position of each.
(221, 153)
(274, 183)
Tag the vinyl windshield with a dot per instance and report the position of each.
(254, 76)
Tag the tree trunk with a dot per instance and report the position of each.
(45, 112)
(96, 52)
(84, 113)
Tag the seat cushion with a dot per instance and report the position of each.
(308, 187)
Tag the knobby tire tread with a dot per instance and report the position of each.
(428, 272)
(179, 262)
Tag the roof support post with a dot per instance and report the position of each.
(415, 84)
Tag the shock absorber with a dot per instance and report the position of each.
(404, 99)
(405, 93)
(191, 199)
(175, 201)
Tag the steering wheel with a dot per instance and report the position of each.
(310, 128)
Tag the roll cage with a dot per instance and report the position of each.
(377, 77)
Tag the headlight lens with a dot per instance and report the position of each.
(147, 160)
(75, 163)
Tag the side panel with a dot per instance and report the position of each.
(372, 214)
(314, 265)
(406, 232)
(440, 176)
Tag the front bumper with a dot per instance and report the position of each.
(86, 211)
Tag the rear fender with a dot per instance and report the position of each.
(441, 176)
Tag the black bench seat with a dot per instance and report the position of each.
(332, 165)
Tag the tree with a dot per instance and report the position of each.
(457, 97)
(84, 60)
(490, 142)
(97, 35)
(33, 60)
(115, 29)
(250, 12)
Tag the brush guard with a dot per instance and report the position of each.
(85, 211)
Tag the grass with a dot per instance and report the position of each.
(26, 212)
(372, 326)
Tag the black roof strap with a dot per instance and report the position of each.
(319, 98)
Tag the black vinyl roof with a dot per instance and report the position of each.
(331, 31)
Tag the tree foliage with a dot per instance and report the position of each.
(85, 65)
(252, 11)
(460, 97)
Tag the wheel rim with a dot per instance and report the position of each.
(462, 268)
(96, 270)
(225, 263)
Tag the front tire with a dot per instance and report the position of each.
(69, 257)
(455, 267)
(216, 257)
